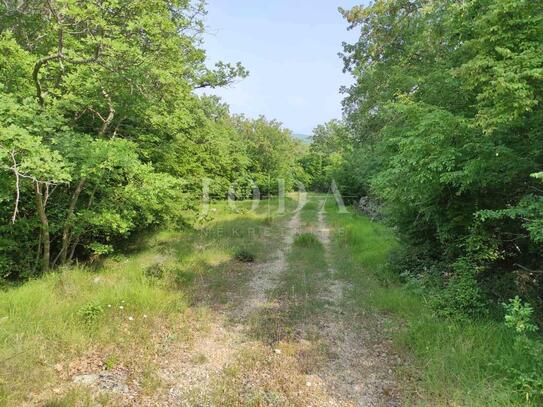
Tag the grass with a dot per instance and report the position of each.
(453, 363)
(272, 370)
(77, 319)
(300, 282)
(307, 240)
(310, 211)
(296, 293)
(62, 315)
(261, 377)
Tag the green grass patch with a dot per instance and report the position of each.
(66, 314)
(307, 239)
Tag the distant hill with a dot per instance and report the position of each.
(303, 137)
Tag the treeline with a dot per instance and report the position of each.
(102, 134)
(444, 130)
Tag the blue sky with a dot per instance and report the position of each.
(290, 48)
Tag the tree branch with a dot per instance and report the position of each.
(17, 188)
(111, 115)
(527, 270)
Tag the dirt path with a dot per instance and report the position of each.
(195, 369)
(331, 359)
(266, 275)
(361, 373)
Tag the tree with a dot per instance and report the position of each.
(98, 110)
(446, 119)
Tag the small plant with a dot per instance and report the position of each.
(306, 240)
(462, 298)
(91, 312)
(519, 316)
(529, 384)
(110, 362)
(244, 255)
(150, 381)
(205, 218)
(527, 380)
(156, 270)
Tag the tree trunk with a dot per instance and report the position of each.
(66, 232)
(46, 242)
(78, 237)
(38, 257)
(74, 246)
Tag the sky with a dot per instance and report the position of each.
(291, 51)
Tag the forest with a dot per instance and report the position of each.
(103, 135)
(109, 140)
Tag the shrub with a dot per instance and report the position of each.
(245, 255)
(462, 296)
(519, 316)
(156, 270)
(524, 375)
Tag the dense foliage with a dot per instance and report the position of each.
(102, 133)
(330, 143)
(447, 133)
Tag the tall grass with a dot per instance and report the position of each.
(459, 363)
(54, 319)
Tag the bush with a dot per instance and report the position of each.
(527, 375)
(519, 316)
(462, 296)
(244, 255)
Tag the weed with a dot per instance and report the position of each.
(91, 312)
(150, 381)
(110, 362)
(307, 240)
(199, 359)
(183, 278)
(519, 316)
(155, 270)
